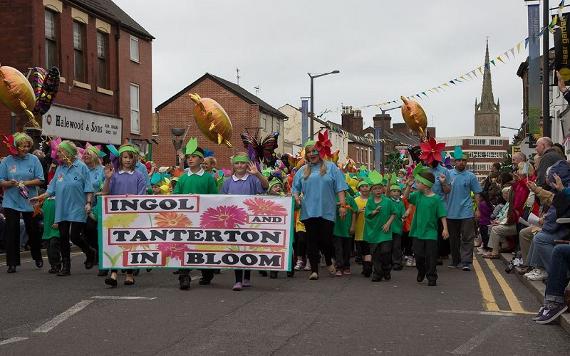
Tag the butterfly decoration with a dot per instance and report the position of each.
(45, 94)
(9, 142)
(324, 144)
(114, 156)
(261, 150)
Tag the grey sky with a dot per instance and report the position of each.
(383, 49)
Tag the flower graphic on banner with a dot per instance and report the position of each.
(173, 250)
(260, 206)
(133, 247)
(120, 220)
(170, 219)
(223, 217)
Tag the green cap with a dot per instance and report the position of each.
(310, 143)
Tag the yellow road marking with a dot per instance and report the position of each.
(489, 302)
(514, 303)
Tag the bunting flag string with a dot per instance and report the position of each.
(508, 55)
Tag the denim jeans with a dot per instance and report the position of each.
(558, 274)
(540, 252)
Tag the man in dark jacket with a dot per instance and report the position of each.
(548, 156)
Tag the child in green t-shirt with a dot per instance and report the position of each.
(342, 235)
(397, 226)
(379, 216)
(51, 234)
(429, 209)
(195, 180)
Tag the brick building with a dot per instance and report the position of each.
(246, 111)
(105, 61)
(360, 149)
(483, 151)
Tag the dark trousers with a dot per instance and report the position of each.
(396, 250)
(443, 247)
(54, 251)
(461, 236)
(12, 236)
(358, 247)
(318, 237)
(242, 274)
(91, 234)
(407, 243)
(71, 231)
(426, 257)
(558, 274)
(484, 231)
(301, 245)
(381, 257)
(342, 249)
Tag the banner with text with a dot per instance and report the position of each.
(196, 231)
(562, 48)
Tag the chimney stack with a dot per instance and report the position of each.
(383, 121)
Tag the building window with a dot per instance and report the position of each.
(135, 110)
(135, 49)
(102, 60)
(79, 51)
(52, 59)
(477, 142)
(495, 142)
(263, 122)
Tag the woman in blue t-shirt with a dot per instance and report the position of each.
(92, 158)
(316, 187)
(73, 190)
(20, 175)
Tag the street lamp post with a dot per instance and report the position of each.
(312, 128)
(177, 141)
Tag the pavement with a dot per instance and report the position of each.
(482, 312)
(537, 288)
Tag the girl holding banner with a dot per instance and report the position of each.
(246, 180)
(73, 190)
(127, 180)
(316, 187)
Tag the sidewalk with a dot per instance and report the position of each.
(27, 255)
(537, 288)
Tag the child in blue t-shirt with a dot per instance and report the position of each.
(246, 180)
(128, 180)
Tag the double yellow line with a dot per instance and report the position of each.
(489, 301)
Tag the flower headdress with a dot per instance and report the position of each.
(431, 151)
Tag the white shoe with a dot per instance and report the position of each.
(408, 261)
(307, 266)
(413, 262)
(332, 270)
(299, 266)
(531, 273)
(541, 275)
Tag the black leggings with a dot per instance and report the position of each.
(318, 237)
(91, 233)
(12, 236)
(301, 245)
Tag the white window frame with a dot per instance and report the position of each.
(135, 129)
(138, 56)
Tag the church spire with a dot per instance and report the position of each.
(487, 99)
(487, 112)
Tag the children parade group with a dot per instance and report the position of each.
(386, 221)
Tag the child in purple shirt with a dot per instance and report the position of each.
(246, 180)
(127, 180)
